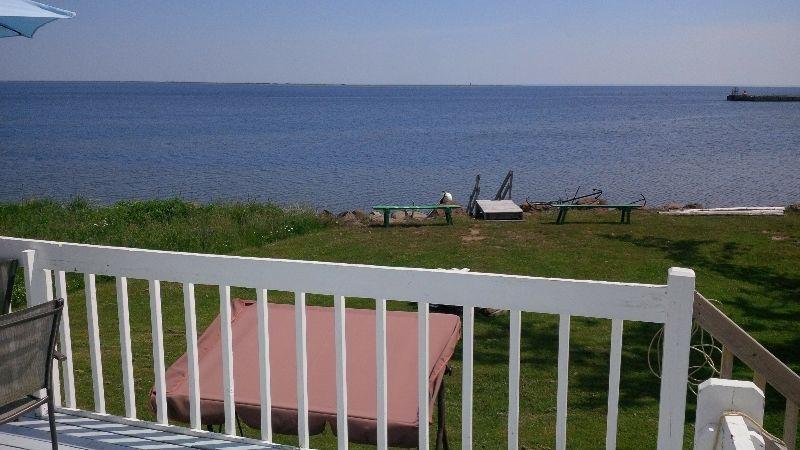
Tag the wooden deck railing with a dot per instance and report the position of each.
(767, 368)
(669, 304)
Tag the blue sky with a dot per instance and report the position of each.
(416, 42)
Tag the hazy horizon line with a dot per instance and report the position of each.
(277, 83)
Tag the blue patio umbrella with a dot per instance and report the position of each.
(24, 17)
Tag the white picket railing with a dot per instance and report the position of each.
(669, 304)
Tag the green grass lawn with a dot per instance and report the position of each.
(751, 265)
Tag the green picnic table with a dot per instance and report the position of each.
(387, 211)
(625, 209)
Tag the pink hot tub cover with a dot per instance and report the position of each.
(361, 373)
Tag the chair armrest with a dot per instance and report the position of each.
(59, 356)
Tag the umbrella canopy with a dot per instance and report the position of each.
(24, 17)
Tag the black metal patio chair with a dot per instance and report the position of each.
(27, 350)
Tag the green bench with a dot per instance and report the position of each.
(625, 209)
(387, 211)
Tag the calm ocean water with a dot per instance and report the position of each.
(340, 147)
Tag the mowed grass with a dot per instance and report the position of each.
(751, 265)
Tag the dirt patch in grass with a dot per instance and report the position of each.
(473, 236)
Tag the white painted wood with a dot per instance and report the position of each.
(563, 382)
(263, 364)
(302, 368)
(94, 343)
(66, 342)
(226, 343)
(675, 362)
(35, 293)
(615, 364)
(380, 371)
(193, 375)
(718, 397)
(158, 351)
(126, 353)
(55, 376)
(514, 337)
(581, 298)
(423, 374)
(466, 377)
(341, 371)
(498, 206)
(35, 287)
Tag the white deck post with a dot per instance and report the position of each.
(263, 364)
(66, 341)
(193, 375)
(563, 381)
(126, 354)
(158, 351)
(341, 370)
(423, 332)
(226, 346)
(615, 365)
(514, 336)
(382, 411)
(95, 354)
(717, 422)
(301, 353)
(466, 377)
(675, 366)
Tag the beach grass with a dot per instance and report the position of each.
(750, 265)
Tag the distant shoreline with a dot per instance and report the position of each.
(255, 83)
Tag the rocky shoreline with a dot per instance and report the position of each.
(359, 217)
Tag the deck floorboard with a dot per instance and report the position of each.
(78, 432)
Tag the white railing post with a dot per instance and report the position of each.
(675, 365)
(380, 372)
(340, 335)
(193, 375)
(301, 354)
(615, 364)
(66, 341)
(264, 366)
(226, 346)
(514, 336)
(126, 351)
(158, 351)
(466, 377)
(95, 353)
(721, 409)
(423, 335)
(563, 382)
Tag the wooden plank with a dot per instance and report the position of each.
(790, 425)
(760, 381)
(263, 364)
(95, 355)
(301, 348)
(563, 381)
(466, 377)
(193, 375)
(226, 345)
(125, 349)
(66, 341)
(747, 349)
(578, 298)
(514, 338)
(157, 332)
(423, 333)
(675, 361)
(615, 364)
(341, 371)
(726, 363)
(382, 411)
